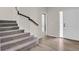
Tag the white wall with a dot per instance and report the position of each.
(71, 19)
(53, 21)
(35, 14)
(7, 13)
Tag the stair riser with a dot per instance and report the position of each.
(5, 29)
(15, 44)
(5, 25)
(27, 48)
(11, 33)
(5, 21)
(14, 38)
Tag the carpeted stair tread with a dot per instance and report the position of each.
(13, 37)
(8, 28)
(10, 32)
(14, 41)
(21, 46)
(7, 21)
(8, 24)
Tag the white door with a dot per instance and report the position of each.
(71, 23)
(44, 24)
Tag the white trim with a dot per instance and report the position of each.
(61, 23)
(46, 23)
(43, 23)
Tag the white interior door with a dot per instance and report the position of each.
(71, 23)
(44, 24)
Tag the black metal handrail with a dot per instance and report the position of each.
(26, 17)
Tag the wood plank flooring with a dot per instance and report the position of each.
(56, 44)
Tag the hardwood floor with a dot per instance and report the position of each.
(56, 44)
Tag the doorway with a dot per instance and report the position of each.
(44, 24)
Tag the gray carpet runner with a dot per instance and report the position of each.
(14, 39)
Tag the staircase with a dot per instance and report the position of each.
(14, 39)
